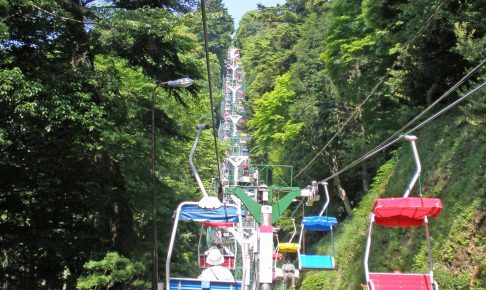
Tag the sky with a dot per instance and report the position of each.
(237, 8)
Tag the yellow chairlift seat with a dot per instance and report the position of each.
(288, 247)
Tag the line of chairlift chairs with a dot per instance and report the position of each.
(226, 219)
(223, 264)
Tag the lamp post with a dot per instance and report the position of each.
(180, 83)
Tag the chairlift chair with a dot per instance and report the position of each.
(229, 258)
(191, 211)
(403, 212)
(208, 209)
(288, 248)
(323, 224)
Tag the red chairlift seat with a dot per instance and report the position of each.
(405, 212)
(393, 281)
(218, 224)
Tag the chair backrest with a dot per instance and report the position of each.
(229, 262)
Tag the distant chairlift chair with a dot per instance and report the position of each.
(229, 257)
(403, 212)
(317, 223)
(288, 248)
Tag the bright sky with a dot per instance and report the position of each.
(237, 8)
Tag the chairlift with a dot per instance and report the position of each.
(317, 223)
(191, 211)
(229, 255)
(288, 248)
(208, 210)
(403, 212)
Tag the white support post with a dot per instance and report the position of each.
(368, 247)
(236, 162)
(235, 119)
(418, 167)
(266, 249)
(200, 128)
(301, 235)
(233, 93)
(295, 231)
(429, 249)
(327, 198)
(171, 246)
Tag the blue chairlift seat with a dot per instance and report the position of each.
(196, 284)
(222, 214)
(317, 262)
(319, 223)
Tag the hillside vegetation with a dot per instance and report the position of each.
(329, 80)
(453, 155)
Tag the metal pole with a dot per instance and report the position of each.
(367, 249)
(155, 258)
(418, 169)
(429, 249)
(200, 128)
(327, 199)
(171, 244)
(266, 249)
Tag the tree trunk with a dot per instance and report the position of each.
(120, 215)
(77, 35)
(364, 167)
(333, 167)
(364, 174)
(121, 220)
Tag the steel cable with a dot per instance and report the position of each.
(376, 150)
(208, 67)
(409, 43)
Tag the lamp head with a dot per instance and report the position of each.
(180, 83)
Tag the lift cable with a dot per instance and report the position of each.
(453, 88)
(208, 66)
(385, 144)
(341, 128)
(373, 152)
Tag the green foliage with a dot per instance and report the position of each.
(271, 122)
(75, 138)
(113, 270)
(266, 38)
(220, 28)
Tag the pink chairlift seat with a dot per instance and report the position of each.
(399, 281)
(405, 211)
